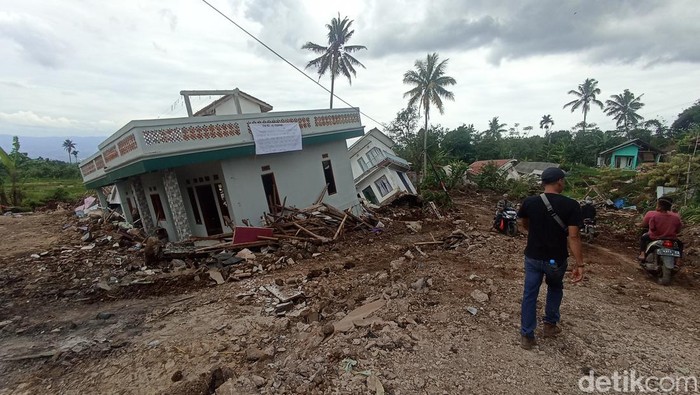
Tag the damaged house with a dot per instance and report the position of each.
(379, 174)
(225, 165)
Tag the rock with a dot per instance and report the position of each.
(472, 310)
(153, 343)
(35, 256)
(258, 381)
(178, 264)
(177, 376)
(253, 354)
(328, 330)
(8, 322)
(86, 237)
(419, 284)
(479, 296)
(413, 226)
(104, 315)
(246, 254)
(396, 264)
(359, 313)
(216, 276)
(409, 255)
(473, 277)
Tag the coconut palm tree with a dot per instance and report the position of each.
(546, 122)
(623, 108)
(335, 58)
(585, 95)
(75, 153)
(495, 129)
(429, 82)
(69, 146)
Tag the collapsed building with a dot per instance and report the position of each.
(225, 165)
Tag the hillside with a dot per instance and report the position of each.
(51, 147)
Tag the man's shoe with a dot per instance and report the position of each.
(550, 330)
(527, 343)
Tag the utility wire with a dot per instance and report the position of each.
(289, 63)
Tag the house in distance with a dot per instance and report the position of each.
(379, 174)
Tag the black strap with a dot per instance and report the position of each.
(554, 215)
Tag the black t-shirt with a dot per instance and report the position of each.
(546, 239)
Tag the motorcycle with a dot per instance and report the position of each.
(508, 222)
(662, 259)
(589, 230)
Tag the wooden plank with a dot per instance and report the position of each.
(323, 239)
(422, 243)
(321, 195)
(337, 232)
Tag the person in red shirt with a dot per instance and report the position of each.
(662, 223)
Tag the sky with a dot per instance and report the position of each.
(86, 68)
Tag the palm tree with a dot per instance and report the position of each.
(336, 56)
(585, 96)
(495, 129)
(545, 123)
(69, 146)
(75, 153)
(429, 81)
(623, 108)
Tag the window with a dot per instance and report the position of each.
(383, 186)
(328, 174)
(195, 207)
(375, 155)
(158, 207)
(363, 164)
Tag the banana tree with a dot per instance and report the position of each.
(10, 166)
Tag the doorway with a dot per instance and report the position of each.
(210, 214)
(369, 195)
(271, 195)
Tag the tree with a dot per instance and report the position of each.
(686, 119)
(623, 109)
(495, 129)
(429, 81)
(585, 95)
(75, 153)
(69, 146)
(458, 143)
(336, 58)
(403, 127)
(9, 163)
(546, 122)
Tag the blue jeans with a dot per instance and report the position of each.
(554, 277)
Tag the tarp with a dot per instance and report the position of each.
(272, 138)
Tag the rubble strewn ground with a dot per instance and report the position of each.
(424, 306)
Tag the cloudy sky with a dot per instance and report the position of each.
(75, 67)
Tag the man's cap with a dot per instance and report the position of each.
(551, 175)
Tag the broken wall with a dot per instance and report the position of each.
(298, 175)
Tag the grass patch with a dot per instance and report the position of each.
(37, 192)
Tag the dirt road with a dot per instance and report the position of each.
(186, 335)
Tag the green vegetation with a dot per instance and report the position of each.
(29, 183)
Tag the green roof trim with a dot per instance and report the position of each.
(167, 162)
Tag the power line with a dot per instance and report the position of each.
(289, 63)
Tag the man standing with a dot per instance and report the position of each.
(550, 219)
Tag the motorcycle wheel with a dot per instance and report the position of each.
(512, 229)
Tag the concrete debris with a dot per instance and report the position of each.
(472, 310)
(414, 226)
(216, 276)
(479, 296)
(348, 322)
(246, 254)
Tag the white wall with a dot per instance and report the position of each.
(229, 107)
(393, 178)
(298, 176)
(366, 144)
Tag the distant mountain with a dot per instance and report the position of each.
(52, 147)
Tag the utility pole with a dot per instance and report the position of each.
(687, 176)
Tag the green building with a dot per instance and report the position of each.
(629, 155)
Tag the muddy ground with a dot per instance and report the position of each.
(94, 320)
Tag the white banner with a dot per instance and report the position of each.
(271, 138)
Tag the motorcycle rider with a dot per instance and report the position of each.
(662, 224)
(500, 206)
(588, 210)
